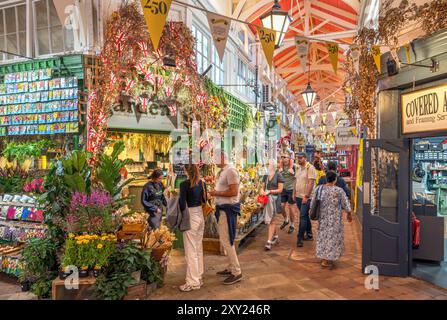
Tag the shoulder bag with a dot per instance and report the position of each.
(207, 208)
(314, 211)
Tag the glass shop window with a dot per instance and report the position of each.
(218, 72)
(13, 31)
(202, 49)
(50, 36)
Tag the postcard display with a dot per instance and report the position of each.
(36, 103)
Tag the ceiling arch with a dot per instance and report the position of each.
(320, 21)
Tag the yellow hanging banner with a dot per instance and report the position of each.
(332, 48)
(302, 117)
(267, 37)
(375, 51)
(407, 52)
(156, 12)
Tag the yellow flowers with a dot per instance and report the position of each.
(99, 246)
(71, 235)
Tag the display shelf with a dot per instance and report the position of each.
(37, 113)
(17, 204)
(37, 124)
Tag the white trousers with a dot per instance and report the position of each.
(192, 240)
(224, 238)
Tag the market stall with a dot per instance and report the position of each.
(251, 213)
(41, 106)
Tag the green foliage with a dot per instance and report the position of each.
(108, 170)
(113, 284)
(77, 172)
(27, 150)
(12, 180)
(42, 286)
(39, 259)
(70, 255)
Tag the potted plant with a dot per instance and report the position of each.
(84, 255)
(69, 257)
(105, 247)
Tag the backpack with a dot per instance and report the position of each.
(175, 218)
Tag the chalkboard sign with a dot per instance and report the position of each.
(179, 170)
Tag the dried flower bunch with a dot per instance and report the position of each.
(360, 88)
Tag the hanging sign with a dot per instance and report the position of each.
(355, 54)
(424, 110)
(375, 51)
(332, 48)
(407, 52)
(220, 27)
(345, 136)
(267, 116)
(395, 57)
(313, 117)
(156, 12)
(143, 113)
(267, 37)
(278, 118)
(291, 119)
(302, 117)
(302, 46)
(334, 115)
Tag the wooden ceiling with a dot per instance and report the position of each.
(319, 20)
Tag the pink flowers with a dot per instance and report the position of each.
(98, 199)
(35, 186)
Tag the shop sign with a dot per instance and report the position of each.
(129, 114)
(346, 136)
(424, 110)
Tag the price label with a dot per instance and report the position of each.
(155, 13)
(157, 6)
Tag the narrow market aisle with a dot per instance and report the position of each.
(293, 273)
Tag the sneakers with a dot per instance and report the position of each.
(232, 279)
(268, 246)
(291, 229)
(225, 273)
(187, 288)
(275, 239)
(299, 244)
(308, 238)
(284, 224)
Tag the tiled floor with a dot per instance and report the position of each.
(288, 272)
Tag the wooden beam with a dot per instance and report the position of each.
(319, 26)
(354, 4)
(336, 10)
(335, 20)
(247, 13)
(238, 9)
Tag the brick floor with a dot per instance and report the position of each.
(293, 273)
(286, 272)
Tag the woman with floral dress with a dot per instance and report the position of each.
(330, 238)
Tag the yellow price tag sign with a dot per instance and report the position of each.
(267, 37)
(155, 13)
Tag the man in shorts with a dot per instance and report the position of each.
(288, 171)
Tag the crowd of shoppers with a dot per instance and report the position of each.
(286, 185)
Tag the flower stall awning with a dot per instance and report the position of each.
(319, 21)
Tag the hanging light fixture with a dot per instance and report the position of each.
(309, 94)
(277, 20)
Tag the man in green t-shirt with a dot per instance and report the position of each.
(287, 169)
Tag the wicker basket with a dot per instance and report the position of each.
(134, 227)
(158, 253)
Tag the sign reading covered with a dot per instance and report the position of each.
(424, 110)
